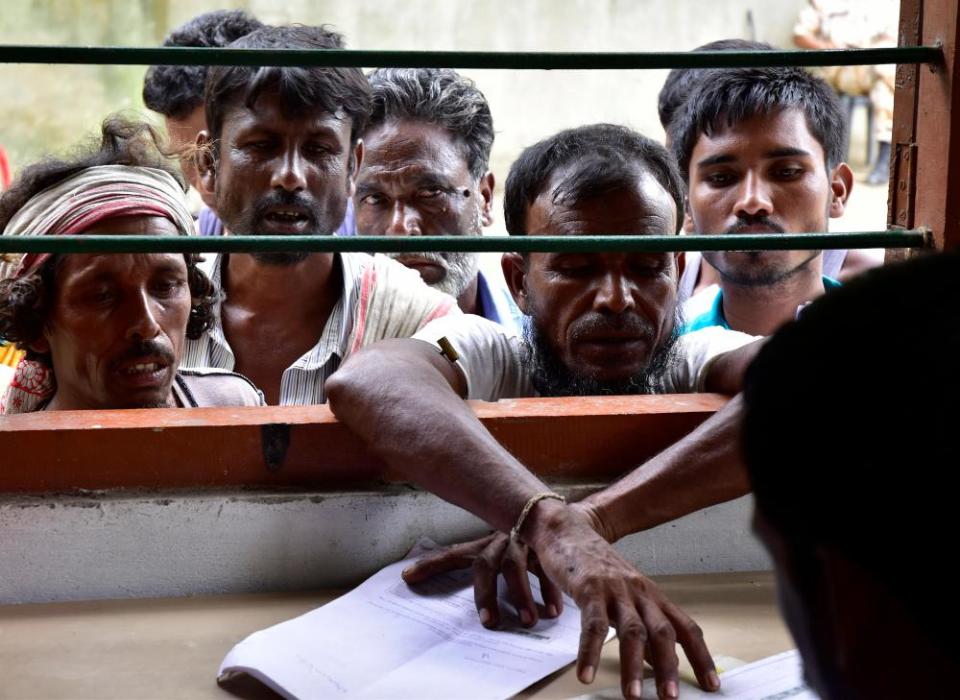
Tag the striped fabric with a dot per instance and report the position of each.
(302, 382)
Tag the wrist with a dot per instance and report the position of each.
(598, 519)
(545, 520)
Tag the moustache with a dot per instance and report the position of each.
(628, 324)
(144, 349)
(279, 199)
(441, 259)
(744, 222)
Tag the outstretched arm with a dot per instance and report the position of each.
(404, 400)
(702, 469)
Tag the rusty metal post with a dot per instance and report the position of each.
(925, 168)
(902, 189)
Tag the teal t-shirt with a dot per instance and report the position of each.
(714, 316)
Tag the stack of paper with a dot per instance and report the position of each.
(385, 640)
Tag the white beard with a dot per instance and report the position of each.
(460, 270)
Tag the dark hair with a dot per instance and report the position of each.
(25, 302)
(849, 433)
(735, 95)
(438, 96)
(602, 158)
(302, 90)
(681, 82)
(176, 91)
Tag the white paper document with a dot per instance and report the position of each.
(386, 640)
(777, 677)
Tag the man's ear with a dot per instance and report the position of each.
(206, 165)
(487, 184)
(356, 160)
(687, 216)
(841, 182)
(41, 345)
(515, 275)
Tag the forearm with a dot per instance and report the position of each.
(703, 469)
(401, 399)
(726, 373)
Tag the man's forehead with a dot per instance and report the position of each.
(763, 135)
(643, 207)
(77, 268)
(269, 111)
(398, 144)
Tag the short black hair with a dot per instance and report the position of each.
(601, 157)
(303, 90)
(682, 82)
(25, 301)
(176, 91)
(850, 430)
(438, 96)
(735, 95)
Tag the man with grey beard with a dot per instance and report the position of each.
(599, 323)
(425, 173)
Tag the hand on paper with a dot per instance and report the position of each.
(608, 590)
(490, 557)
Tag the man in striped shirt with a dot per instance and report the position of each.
(279, 158)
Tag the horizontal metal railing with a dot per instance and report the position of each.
(489, 244)
(514, 60)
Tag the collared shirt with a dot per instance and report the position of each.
(214, 387)
(714, 314)
(491, 357)
(495, 303)
(302, 382)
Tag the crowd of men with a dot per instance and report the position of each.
(395, 343)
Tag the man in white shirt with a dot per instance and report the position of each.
(600, 323)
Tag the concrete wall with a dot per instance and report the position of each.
(59, 548)
(527, 105)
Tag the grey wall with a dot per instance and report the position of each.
(48, 108)
(158, 545)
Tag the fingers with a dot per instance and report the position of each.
(662, 643)
(690, 637)
(458, 556)
(632, 634)
(486, 567)
(594, 626)
(514, 570)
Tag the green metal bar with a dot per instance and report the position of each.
(178, 55)
(488, 244)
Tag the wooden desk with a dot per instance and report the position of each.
(166, 648)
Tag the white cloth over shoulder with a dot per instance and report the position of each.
(490, 357)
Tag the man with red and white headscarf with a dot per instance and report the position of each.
(106, 330)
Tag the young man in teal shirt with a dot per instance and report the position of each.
(761, 150)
